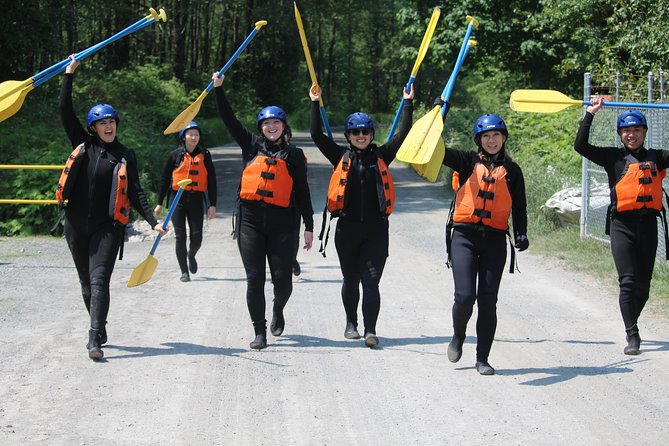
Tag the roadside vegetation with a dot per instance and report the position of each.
(154, 75)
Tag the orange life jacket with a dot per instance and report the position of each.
(484, 198)
(640, 186)
(119, 201)
(266, 178)
(191, 167)
(385, 186)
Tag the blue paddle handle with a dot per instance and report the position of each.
(451, 82)
(396, 120)
(167, 218)
(326, 122)
(448, 89)
(50, 72)
(234, 57)
(630, 105)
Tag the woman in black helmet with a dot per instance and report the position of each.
(362, 195)
(97, 187)
(190, 161)
(490, 188)
(273, 181)
(635, 177)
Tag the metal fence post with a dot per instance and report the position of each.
(585, 163)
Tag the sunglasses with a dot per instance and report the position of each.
(365, 132)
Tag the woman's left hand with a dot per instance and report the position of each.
(211, 213)
(159, 228)
(308, 239)
(410, 94)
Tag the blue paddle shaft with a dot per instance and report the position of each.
(234, 57)
(168, 217)
(629, 105)
(396, 120)
(326, 122)
(50, 72)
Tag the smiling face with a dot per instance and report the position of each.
(633, 137)
(360, 138)
(105, 129)
(272, 129)
(492, 142)
(191, 138)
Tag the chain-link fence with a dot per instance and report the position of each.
(595, 190)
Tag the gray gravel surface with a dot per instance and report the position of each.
(178, 368)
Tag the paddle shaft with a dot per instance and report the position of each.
(422, 50)
(173, 206)
(46, 74)
(236, 54)
(310, 67)
(464, 49)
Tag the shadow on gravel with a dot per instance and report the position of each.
(171, 348)
(654, 346)
(313, 341)
(560, 374)
(566, 341)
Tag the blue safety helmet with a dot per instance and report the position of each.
(631, 118)
(191, 125)
(358, 120)
(489, 122)
(101, 111)
(272, 112)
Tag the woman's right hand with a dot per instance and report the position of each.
(315, 93)
(72, 67)
(596, 104)
(218, 81)
(158, 210)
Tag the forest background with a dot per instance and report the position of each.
(363, 51)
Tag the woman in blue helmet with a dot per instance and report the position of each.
(190, 161)
(489, 189)
(274, 181)
(96, 205)
(635, 177)
(361, 195)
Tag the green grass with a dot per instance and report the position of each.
(593, 258)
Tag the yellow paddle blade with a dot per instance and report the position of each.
(540, 101)
(430, 171)
(12, 103)
(8, 88)
(430, 143)
(186, 116)
(409, 152)
(143, 272)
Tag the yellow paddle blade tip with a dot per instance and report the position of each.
(143, 272)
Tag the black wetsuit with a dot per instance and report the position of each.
(633, 233)
(192, 205)
(92, 235)
(265, 231)
(478, 255)
(361, 237)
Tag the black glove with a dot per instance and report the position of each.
(522, 243)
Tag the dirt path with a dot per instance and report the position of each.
(178, 369)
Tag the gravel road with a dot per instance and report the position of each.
(178, 369)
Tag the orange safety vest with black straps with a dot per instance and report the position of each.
(119, 201)
(484, 198)
(266, 178)
(385, 186)
(639, 187)
(191, 167)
